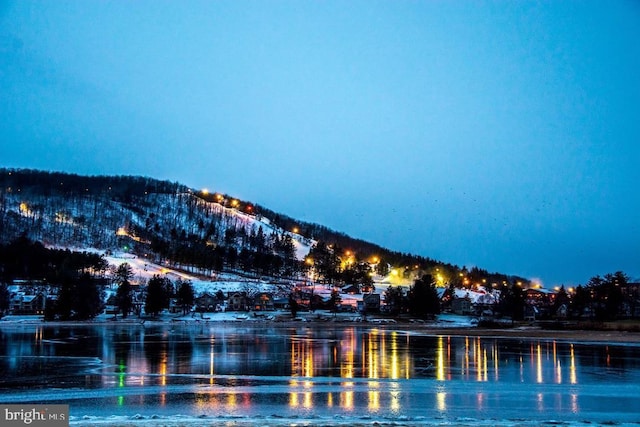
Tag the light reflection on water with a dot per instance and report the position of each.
(347, 370)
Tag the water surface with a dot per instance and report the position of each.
(327, 371)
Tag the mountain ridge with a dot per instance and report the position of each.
(197, 228)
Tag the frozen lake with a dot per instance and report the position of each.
(323, 373)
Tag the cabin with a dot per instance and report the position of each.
(207, 303)
(238, 301)
(28, 304)
(263, 302)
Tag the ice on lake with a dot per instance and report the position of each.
(332, 375)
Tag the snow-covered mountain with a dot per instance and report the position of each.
(166, 222)
(195, 231)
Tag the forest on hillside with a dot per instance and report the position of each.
(199, 230)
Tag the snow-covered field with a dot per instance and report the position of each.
(143, 270)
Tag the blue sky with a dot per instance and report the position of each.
(500, 134)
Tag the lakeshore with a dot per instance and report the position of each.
(450, 326)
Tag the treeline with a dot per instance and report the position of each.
(30, 261)
(248, 250)
(70, 281)
(332, 245)
(51, 183)
(603, 298)
(363, 249)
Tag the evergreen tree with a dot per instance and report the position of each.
(382, 268)
(63, 308)
(394, 299)
(87, 301)
(158, 295)
(124, 293)
(423, 298)
(512, 302)
(124, 272)
(325, 261)
(5, 299)
(124, 298)
(185, 296)
(607, 295)
(335, 300)
(287, 247)
(580, 301)
(293, 305)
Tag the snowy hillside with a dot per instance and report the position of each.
(201, 232)
(166, 223)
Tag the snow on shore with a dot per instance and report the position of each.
(326, 421)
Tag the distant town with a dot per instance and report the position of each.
(77, 248)
(72, 285)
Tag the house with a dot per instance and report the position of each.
(563, 311)
(531, 312)
(370, 303)
(28, 304)
(208, 303)
(540, 297)
(281, 303)
(238, 301)
(263, 301)
(462, 306)
(542, 300)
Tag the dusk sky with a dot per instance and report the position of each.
(497, 134)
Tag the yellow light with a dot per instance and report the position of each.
(295, 230)
(205, 192)
(440, 360)
(573, 378)
(441, 399)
